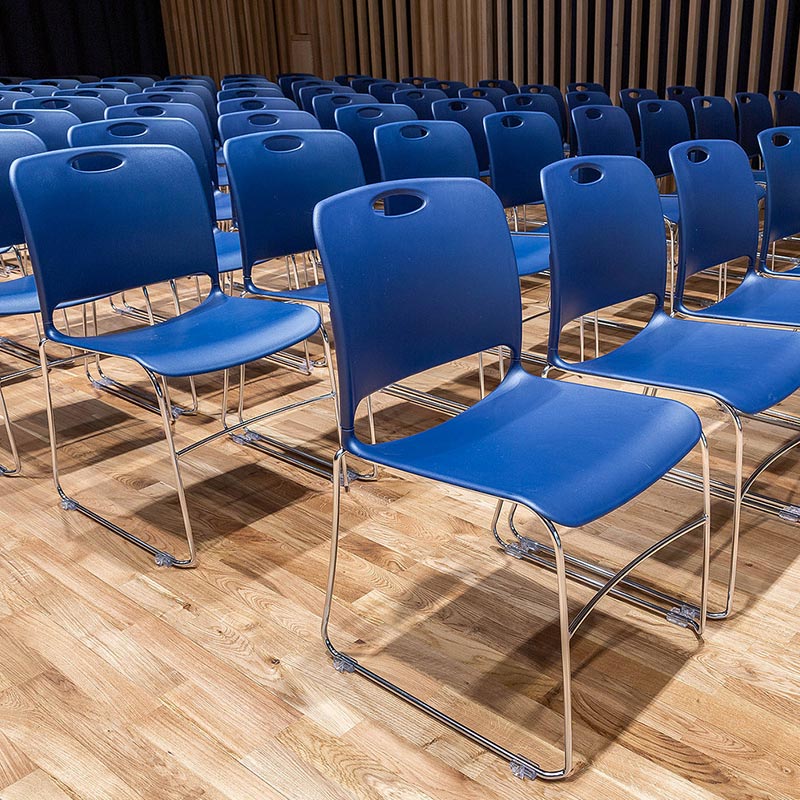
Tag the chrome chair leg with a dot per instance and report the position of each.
(12, 442)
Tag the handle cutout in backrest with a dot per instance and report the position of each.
(634, 95)
(369, 112)
(511, 121)
(127, 130)
(252, 105)
(161, 98)
(704, 103)
(457, 105)
(415, 95)
(341, 101)
(745, 98)
(593, 113)
(150, 111)
(780, 139)
(697, 155)
(586, 174)
(414, 132)
(398, 203)
(55, 102)
(653, 108)
(582, 97)
(263, 120)
(16, 119)
(523, 101)
(283, 144)
(96, 162)
(477, 93)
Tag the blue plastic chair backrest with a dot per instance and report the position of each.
(551, 91)
(419, 100)
(26, 90)
(780, 151)
(521, 144)
(603, 131)
(425, 149)
(241, 93)
(286, 80)
(607, 242)
(718, 207)
(58, 83)
(173, 96)
(494, 96)
(109, 96)
(251, 83)
(629, 99)
(176, 110)
(277, 179)
(153, 130)
(345, 80)
(361, 85)
(50, 125)
(325, 106)
(304, 82)
(256, 104)
(14, 144)
(393, 315)
(509, 87)
(194, 95)
(787, 107)
(231, 76)
(359, 122)
(663, 124)
(241, 123)
(450, 88)
(683, 95)
(417, 80)
(755, 115)
(469, 112)
(308, 93)
(140, 80)
(7, 99)
(713, 118)
(92, 216)
(383, 91)
(529, 101)
(127, 87)
(586, 86)
(86, 109)
(590, 98)
(208, 96)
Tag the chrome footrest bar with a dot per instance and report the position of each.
(426, 399)
(19, 350)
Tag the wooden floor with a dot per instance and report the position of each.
(119, 679)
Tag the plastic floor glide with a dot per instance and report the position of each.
(568, 453)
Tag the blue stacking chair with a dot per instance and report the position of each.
(286, 79)
(241, 123)
(603, 130)
(58, 83)
(276, 180)
(361, 85)
(780, 152)
(359, 123)
(301, 84)
(543, 103)
(7, 99)
(417, 80)
(468, 112)
(129, 87)
(181, 134)
(450, 88)
(345, 80)
(568, 453)
(683, 95)
(172, 96)
(207, 80)
(308, 93)
(577, 99)
(32, 91)
(787, 107)
(419, 100)
(494, 96)
(142, 81)
(256, 104)
(755, 115)
(8, 80)
(199, 88)
(383, 91)
(509, 87)
(195, 95)
(719, 223)
(86, 109)
(663, 123)
(550, 91)
(241, 94)
(18, 295)
(50, 125)
(586, 86)
(98, 203)
(110, 96)
(713, 118)
(251, 83)
(745, 371)
(630, 99)
(325, 106)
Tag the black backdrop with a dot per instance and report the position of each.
(40, 38)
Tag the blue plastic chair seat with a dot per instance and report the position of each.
(559, 451)
(532, 251)
(229, 250)
(749, 369)
(220, 333)
(222, 203)
(759, 300)
(760, 176)
(18, 296)
(669, 207)
(316, 293)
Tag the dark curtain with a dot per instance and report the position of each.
(42, 38)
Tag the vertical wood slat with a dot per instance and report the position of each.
(472, 39)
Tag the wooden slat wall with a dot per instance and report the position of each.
(716, 45)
